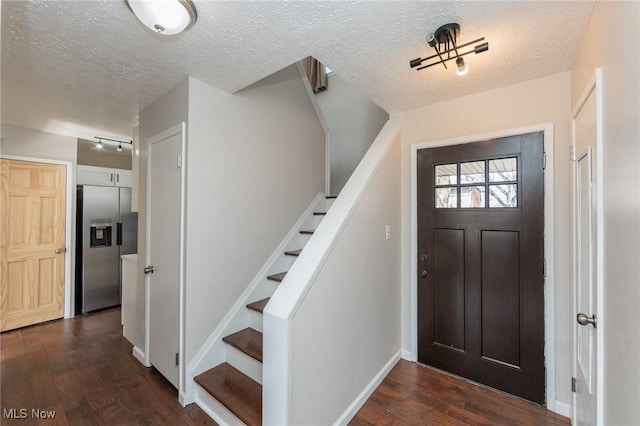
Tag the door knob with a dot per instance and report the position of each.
(60, 250)
(148, 270)
(423, 273)
(423, 258)
(583, 319)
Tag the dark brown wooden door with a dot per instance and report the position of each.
(481, 262)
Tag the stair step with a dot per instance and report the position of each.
(331, 197)
(308, 232)
(295, 253)
(277, 277)
(319, 213)
(259, 305)
(248, 341)
(236, 391)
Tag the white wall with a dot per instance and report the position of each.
(354, 121)
(169, 110)
(545, 100)
(348, 325)
(611, 42)
(32, 143)
(256, 159)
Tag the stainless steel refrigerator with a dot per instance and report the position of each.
(106, 230)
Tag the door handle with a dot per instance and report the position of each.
(423, 273)
(149, 270)
(583, 319)
(60, 250)
(119, 233)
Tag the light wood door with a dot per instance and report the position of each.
(480, 260)
(32, 243)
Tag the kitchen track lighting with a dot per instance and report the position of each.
(444, 42)
(100, 145)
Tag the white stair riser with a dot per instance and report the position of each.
(255, 320)
(243, 362)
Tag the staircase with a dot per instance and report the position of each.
(231, 391)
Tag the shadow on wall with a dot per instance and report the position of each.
(353, 120)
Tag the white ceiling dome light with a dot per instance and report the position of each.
(165, 17)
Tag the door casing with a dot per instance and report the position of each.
(181, 129)
(549, 295)
(70, 215)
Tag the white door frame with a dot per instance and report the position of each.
(549, 238)
(178, 129)
(70, 225)
(593, 86)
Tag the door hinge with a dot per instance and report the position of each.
(544, 160)
(572, 152)
(179, 164)
(574, 384)
(177, 358)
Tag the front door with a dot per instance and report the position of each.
(586, 252)
(163, 252)
(480, 262)
(32, 241)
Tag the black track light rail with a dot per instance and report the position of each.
(477, 49)
(100, 139)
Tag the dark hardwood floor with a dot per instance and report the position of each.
(82, 369)
(413, 394)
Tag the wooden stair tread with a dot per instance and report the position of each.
(308, 232)
(259, 305)
(277, 277)
(248, 341)
(293, 252)
(236, 391)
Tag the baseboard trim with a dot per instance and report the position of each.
(368, 390)
(407, 355)
(562, 408)
(139, 355)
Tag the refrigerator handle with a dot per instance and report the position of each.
(119, 234)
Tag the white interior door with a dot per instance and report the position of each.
(587, 264)
(163, 271)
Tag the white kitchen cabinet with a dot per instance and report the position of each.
(129, 296)
(103, 176)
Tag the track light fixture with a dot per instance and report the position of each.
(444, 42)
(100, 145)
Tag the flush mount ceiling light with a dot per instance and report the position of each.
(443, 41)
(165, 17)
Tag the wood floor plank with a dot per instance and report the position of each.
(82, 369)
(415, 394)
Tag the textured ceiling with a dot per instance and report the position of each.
(87, 67)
